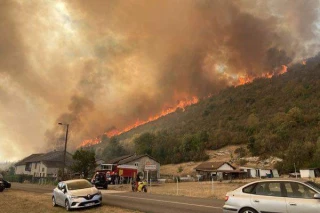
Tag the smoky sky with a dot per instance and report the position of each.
(107, 63)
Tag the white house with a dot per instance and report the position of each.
(255, 172)
(43, 165)
(218, 171)
(310, 173)
(251, 172)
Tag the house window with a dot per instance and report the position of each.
(42, 169)
(35, 165)
(28, 167)
(136, 164)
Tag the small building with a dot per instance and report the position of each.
(250, 172)
(260, 172)
(310, 173)
(142, 162)
(218, 171)
(267, 173)
(43, 165)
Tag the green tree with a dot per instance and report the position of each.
(144, 143)
(113, 149)
(316, 156)
(11, 170)
(85, 162)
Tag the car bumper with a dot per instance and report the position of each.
(229, 209)
(77, 203)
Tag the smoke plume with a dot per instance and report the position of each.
(99, 64)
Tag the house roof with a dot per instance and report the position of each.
(54, 156)
(116, 160)
(135, 157)
(28, 159)
(211, 166)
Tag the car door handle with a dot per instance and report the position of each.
(292, 204)
(257, 201)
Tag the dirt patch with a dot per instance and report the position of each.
(183, 169)
(20, 201)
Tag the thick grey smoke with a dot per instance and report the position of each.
(98, 64)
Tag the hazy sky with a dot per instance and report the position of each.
(100, 64)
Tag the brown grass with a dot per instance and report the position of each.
(15, 201)
(204, 189)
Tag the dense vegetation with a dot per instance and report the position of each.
(279, 116)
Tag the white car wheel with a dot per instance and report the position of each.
(54, 201)
(67, 205)
(248, 210)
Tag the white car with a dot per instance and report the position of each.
(274, 196)
(74, 194)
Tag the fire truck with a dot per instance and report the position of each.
(114, 174)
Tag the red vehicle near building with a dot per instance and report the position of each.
(114, 174)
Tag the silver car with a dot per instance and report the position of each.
(274, 196)
(73, 194)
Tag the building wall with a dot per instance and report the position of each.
(141, 162)
(52, 172)
(35, 169)
(19, 170)
(225, 166)
(306, 173)
(43, 170)
(264, 172)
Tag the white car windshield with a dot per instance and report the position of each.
(81, 184)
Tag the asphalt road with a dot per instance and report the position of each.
(145, 202)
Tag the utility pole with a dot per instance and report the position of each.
(65, 149)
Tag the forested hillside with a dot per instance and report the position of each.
(279, 116)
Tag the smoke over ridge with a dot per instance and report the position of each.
(98, 64)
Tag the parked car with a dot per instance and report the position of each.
(101, 179)
(2, 187)
(285, 195)
(74, 194)
(7, 184)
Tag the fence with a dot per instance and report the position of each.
(30, 179)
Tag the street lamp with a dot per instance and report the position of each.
(65, 148)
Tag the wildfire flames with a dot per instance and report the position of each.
(248, 79)
(182, 104)
(89, 142)
(115, 132)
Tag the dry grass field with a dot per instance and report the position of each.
(205, 189)
(13, 201)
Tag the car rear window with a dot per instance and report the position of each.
(81, 184)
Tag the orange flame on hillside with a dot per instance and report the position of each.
(89, 142)
(248, 79)
(182, 104)
(115, 132)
